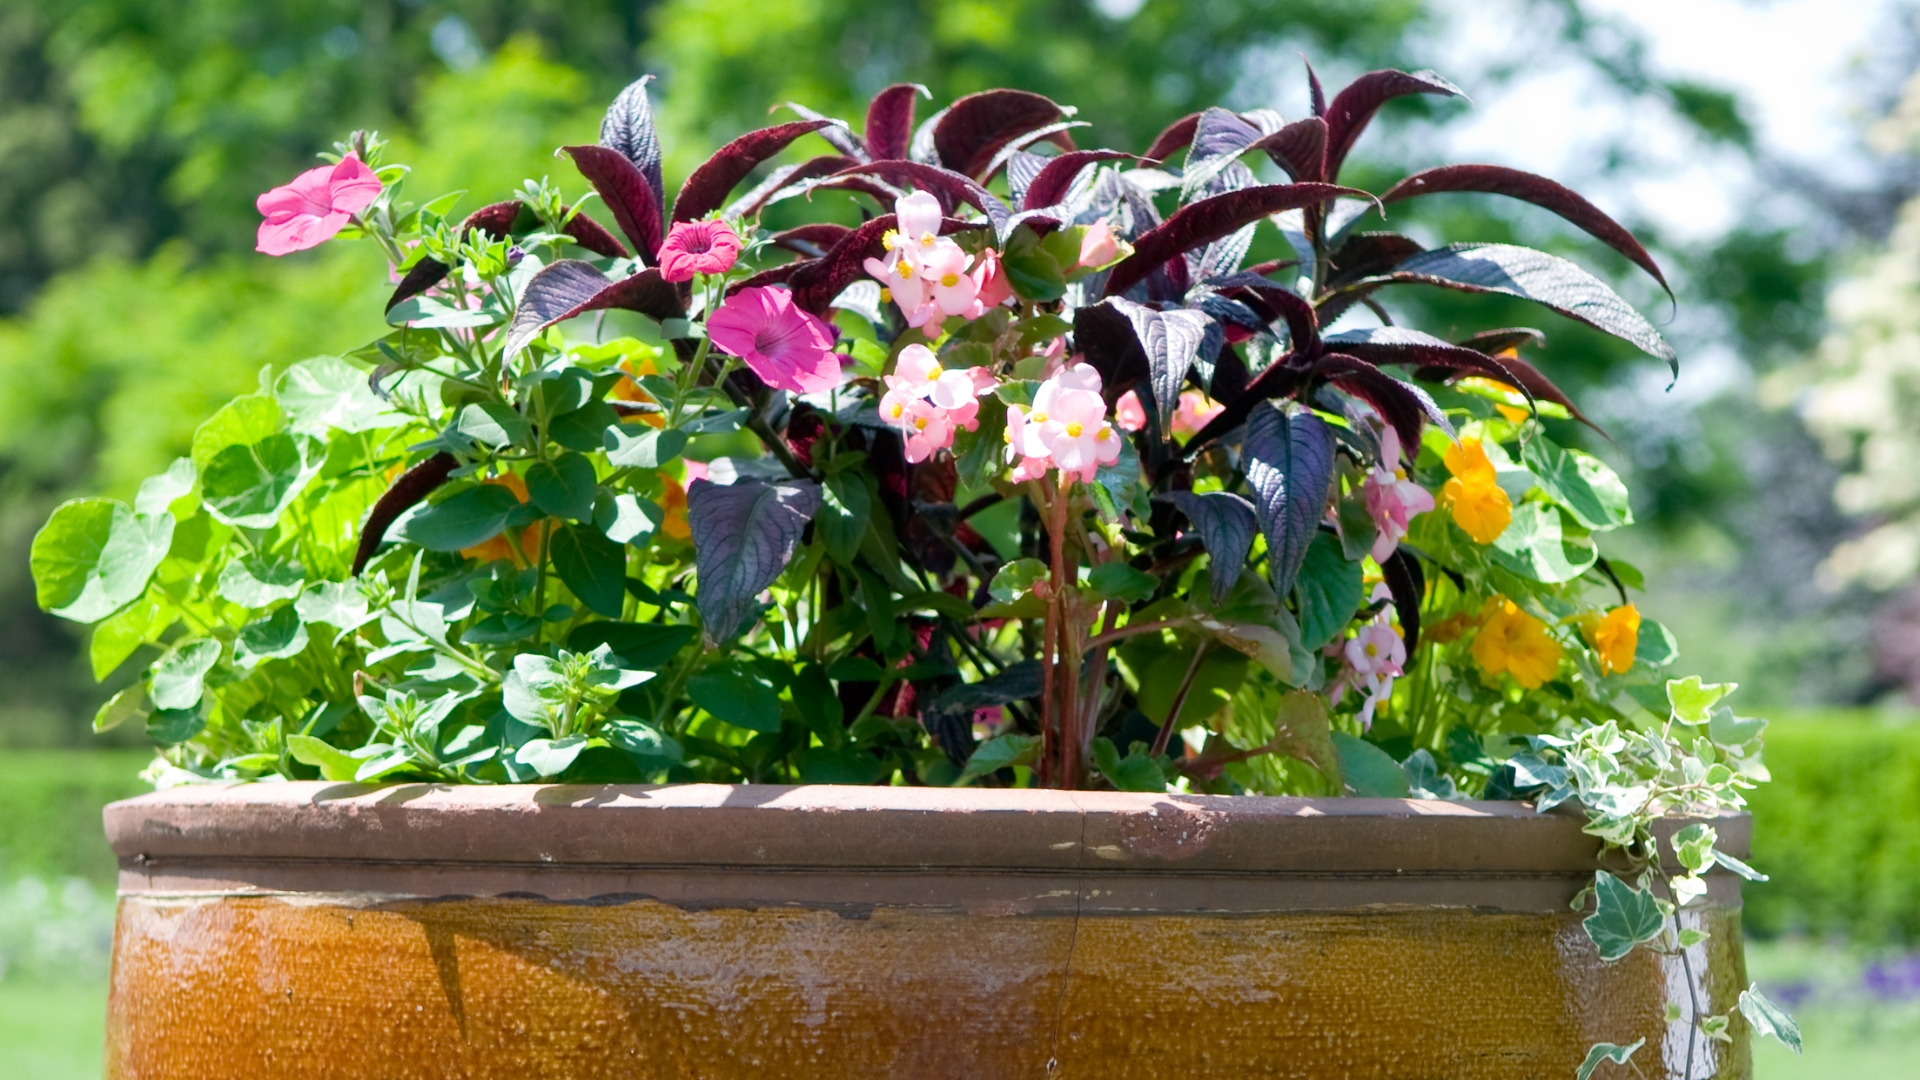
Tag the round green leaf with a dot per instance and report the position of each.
(1536, 546)
(94, 556)
(178, 677)
(259, 580)
(249, 485)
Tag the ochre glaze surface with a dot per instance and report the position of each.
(263, 988)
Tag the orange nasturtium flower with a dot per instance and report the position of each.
(1480, 507)
(674, 502)
(1614, 637)
(1515, 642)
(628, 389)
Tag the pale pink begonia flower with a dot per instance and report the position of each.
(950, 286)
(928, 403)
(698, 247)
(1374, 657)
(928, 429)
(1098, 246)
(1066, 427)
(314, 206)
(1393, 501)
(1129, 413)
(917, 218)
(788, 348)
(1193, 413)
(990, 280)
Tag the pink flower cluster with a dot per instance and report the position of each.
(1374, 658)
(928, 402)
(930, 276)
(1192, 414)
(1066, 428)
(1393, 501)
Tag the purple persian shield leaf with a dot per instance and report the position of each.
(1503, 366)
(1316, 97)
(1401, 345)
(593, 236)
(788, 176)
(629, 131)
(495, 219)
(1352, 108)
(1267, 296)
(1407, 583)
(412, 486)
(1022, 167)
(1289, 464)
(632, 198)
(1545, 279)
(1226, 524)
(1218, 140)
(946, 185)
(1369, 253)
(890, 121)
(778, 275)
(424, 275)
(1171, 340)
(976, 127)
(1538, 190)
(1404, 406)
(743, 535)
(1055, 178)
(817, 281)
(1106, 337)
(1300, 148)
(1210, 219)
(836, 132)
(1504, 339)
(706, 189)
(570, 287)
(1278, 380)
(811, 241)
(500, 220)
(1176, 137)
(1054, 133)
(921, 148)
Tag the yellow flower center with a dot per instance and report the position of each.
(1104, 434)
(949, 280)
(934, 373)
(1006, 436)
(919, 423)
(890, 240)
(898, 409)
(886, 295)
(904, 269)
(1037, 418)
(1372, 650)
(1399, 474)
(926, 239)
(1074, 430)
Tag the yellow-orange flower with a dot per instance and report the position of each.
(674, 502)
(1514, 642)
(1480, 507)
(1615, 637)
(629, 390)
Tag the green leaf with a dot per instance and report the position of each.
(178, 677)
(638, 646)
(1032, 271)
(251, 485)
(737, 698)
(1536, 546)
(979, 455)
(467, 518)
(244, 421)
(120, 636)
(1600, 1052)
(845, 505)
(327, 393)
(627, 519)
(1623, 916)
(998, 753)
(1693, 846)
(1693, 701)
(819, 707)
(1138, 771)
(550, 757)
(649, 748)
(592, 566)
(129, 704)
(848, 765)
(1728, 730)
(170, 727)
(94, 556)
(339, 604)
(1016, 579)
(1768, 1018)
(334, 763)
(491, 423)
(1368, 771)
(584, 429)
(563, 487)
(256, 581)
(158, 493)
(1738, 867)
(1330, 591)
(637, 446)
(1118, 581)
(273, 637)
(1582, 483)
(1656, 644)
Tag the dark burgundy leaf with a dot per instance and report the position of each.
(1229, 381)
(1056, 178)
(890, 120)
(1226, 524)
(949, 186)
(495, 219)
(921, 149)
(1210, 219)
(1300, 148)
(778, 275)
(836, 133)
(594, 236)
(816, 282)
(1505, 339)
(1289, 465)
(1054, 133)
(1508, 368)
(1353, 107)
(412, 486)
(1535, 275)
(425, 275)
(743, 535)
(812, 241)
(570, 286)
(632, 198)
(1538, 190)
(1276, 302)
(1278, 380)
(629, 131)
(785, 177)
(1400, 345)
(502, 219)
(1106, 337)
(1408, 584)
(1022, 167)
(1170, 340)
(1219, 139)
(882, 193)
(1177, 136)
(1404, 406)
(706, 189)
(978, 125)
(1316, 97)
(1369, 253)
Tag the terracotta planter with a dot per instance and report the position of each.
(315, 930)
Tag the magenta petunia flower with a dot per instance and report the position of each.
(316, 205)
(698, 247)
(788, 348)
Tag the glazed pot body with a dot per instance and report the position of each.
(322, 931)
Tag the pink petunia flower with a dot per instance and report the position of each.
(316, 205)
(698, 247)
(787, 347)
(1129, 413)
(1098, 247)
(1393, 501)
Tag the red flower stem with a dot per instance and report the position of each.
(1067, 679)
